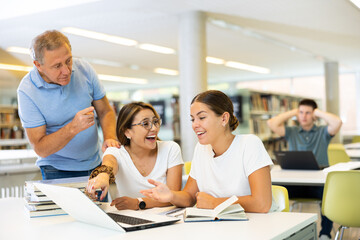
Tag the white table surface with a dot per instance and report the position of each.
(352, 145)
(297, 177)
(17, 154)
(14, 224)
(13, 142)
(353, 153)
(353, 150)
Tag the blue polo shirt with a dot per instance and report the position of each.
(316, 140)
(42, 103)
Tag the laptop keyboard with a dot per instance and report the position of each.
(127, 219)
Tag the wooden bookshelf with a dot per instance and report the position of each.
(11, 132)
(257, 107)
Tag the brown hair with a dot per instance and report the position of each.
(48, 40)
(126, 117)
(308, 102)
(219, 103)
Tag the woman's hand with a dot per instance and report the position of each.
(100, 181)
(122, 203)
(160, 193)
(204, 200)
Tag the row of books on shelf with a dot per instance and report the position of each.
(271, 103)
(260, 128)
(11, 133)
(37, 204)
(7, 117)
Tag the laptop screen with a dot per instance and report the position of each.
(301, 160)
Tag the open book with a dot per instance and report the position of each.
(226, 211)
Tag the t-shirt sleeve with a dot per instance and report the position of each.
(326, 133)
(29, 113)
(175, 157)
(112, 151)
(255, 156)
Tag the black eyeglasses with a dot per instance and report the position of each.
(147, 124)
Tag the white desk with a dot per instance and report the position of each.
(353, 150)
(13, 142)
(14, 224)
(352, 145)
(17, 154)
(19, 160)
(297, 177)
(353, 153)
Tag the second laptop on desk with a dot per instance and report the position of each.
(297, 160)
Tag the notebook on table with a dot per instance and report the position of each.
(299, 160)
(83, 209)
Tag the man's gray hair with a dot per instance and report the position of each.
(48, 40)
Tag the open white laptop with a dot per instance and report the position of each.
(83, 209)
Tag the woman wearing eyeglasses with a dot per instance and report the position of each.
(142, 156)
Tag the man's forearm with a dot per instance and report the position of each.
(54, 142)
(281, 118)
(108, 125)
(333, 121)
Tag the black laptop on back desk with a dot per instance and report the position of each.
(300, 160)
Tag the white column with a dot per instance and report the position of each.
(193, 73)
(357, 106)
(332, 91)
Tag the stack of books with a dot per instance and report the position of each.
(38, 204)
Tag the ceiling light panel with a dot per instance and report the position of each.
(18, 50)
(247, 67)
(214, 60)
(100, 36)
(17, 8)
(166, 71)
(113, 78)
(156, 48)
(15, 67)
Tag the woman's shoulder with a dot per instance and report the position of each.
(245, 138)
(115, 150)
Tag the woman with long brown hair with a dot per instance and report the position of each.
(142, 156)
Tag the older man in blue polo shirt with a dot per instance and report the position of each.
(308, 137)
(57, 99)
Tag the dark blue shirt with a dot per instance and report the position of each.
(316, 140)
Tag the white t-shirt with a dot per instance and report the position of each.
(129, 180)
(227, 175)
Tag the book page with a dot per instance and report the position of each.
(224, 205)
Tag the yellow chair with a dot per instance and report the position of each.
(341, 199)
(337, 154)
(187, 167)
(281, 197)
(355, 139)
